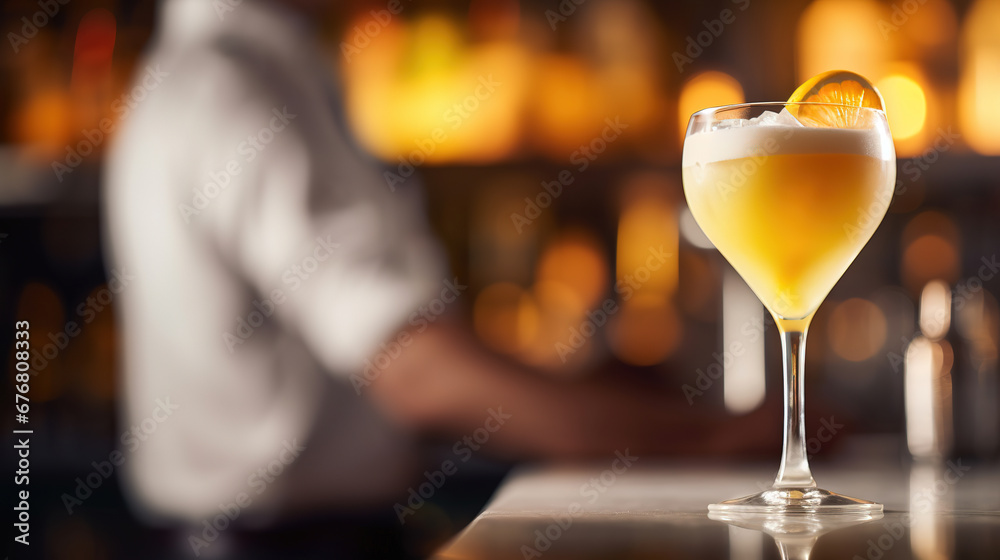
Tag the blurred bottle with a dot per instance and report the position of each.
(927, 377)
(952, 391)
(977, 391)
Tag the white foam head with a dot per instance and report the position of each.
(772, 134)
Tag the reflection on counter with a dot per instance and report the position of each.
(795, 535)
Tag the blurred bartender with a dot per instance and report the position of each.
(271, 262)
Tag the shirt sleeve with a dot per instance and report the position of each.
(327, 247)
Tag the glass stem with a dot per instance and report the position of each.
(794, 471)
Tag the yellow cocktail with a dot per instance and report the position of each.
(791, 223)
(790, 193)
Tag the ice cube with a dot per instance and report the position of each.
(770, 118)
(765, 118)
(787, 119)
(729, 123)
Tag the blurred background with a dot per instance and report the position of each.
(546, 185)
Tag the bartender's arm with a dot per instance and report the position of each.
(445, 384)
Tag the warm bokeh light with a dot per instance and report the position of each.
(927, 383)
(624, 43)
(931, 25)
(931, 244)
(505, 317)
(931, 221)
(707, 89)
(841, 35)
(566, 107)
(420, 92)
(935, 310)
(857, 330)
(576, 264)
(978, 108)
(46, 123)
(571, 279)
(646, 330)
(647, 225)
(929, 257)
(905, 105)
(555, 346)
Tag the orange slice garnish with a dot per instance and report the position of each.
(846, 89)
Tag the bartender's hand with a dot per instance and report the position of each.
(444, 384)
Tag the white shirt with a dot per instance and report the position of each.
(246, 102)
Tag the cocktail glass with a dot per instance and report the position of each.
(790, 207)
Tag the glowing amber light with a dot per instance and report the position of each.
(905, 105)
(857, 330)
(646, 330)
(927, 258)
(505, 317)
(560, 314)
(979, 111)
(925, 23)
(417, 92)
(567, 105)
(46, 123)
(708, 89)
(931, 222)
(841, 34)
(647, 244)
(935, 310)
(576, 264)
(931, 243)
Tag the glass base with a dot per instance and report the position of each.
(796, 501)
